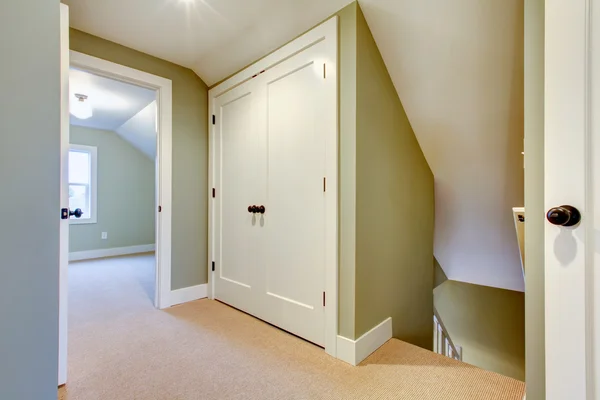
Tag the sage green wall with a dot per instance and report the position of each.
(190, 154)
(394, 206)
(535, 375)
(126, 196)
(439, 276)
(30, 198)
(489, 323)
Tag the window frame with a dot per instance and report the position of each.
(93, 186)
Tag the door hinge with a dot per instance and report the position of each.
(213, 265)
(324, 71)
(214, 193)
(323, 299)
(214, 119)
(324, 184)
(159, 208)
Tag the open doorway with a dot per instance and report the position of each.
(116, 179)
(112, 190)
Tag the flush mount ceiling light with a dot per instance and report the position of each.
(80, 108)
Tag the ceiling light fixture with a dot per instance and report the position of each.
(80, 108)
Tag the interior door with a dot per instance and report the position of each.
(572, 187)
(64, 194)
(270, 153)
(239, 148)
(294, 228)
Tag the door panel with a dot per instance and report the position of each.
(295, 218)
(237, 147)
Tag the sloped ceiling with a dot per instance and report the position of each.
(113, 102)
(458, 69)
(140, 130)
(126, 109)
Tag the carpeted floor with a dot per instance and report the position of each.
(121, 348)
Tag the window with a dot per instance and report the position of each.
(82, 182)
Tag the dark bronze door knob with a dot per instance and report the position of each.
(261, 209)
(563, 216)
(77, 213)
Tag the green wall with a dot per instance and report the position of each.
(30, 200)
(489, 324)
(394, 206)
(534, 200)
(126, 196)
(190, 154)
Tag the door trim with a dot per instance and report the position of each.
(327, 32)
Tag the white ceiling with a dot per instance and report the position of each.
(457, 66)
(126, 109)
(215, 38)
(113, 102)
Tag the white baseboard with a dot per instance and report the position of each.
(191, 293)
(354, 351)
(115, 251)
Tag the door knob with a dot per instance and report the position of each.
(563, 216)
(261, 209)
(77, 213)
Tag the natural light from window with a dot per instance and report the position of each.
(82, 182)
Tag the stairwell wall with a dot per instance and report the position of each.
(394, 206)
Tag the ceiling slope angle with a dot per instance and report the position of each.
(458, 69)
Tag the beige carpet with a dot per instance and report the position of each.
(121, 348)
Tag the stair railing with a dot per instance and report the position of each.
(442, 344)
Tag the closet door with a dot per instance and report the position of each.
(240, 183)
(293, 267)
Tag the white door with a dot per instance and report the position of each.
(64, 193)
(240, 184)
(270, 152)
(572, 178)
(294, 229)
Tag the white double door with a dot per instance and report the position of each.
(271, 152)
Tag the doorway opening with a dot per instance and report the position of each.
(112, 188)
(116, 179)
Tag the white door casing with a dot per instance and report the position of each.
(307, 65)
(572, 148)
